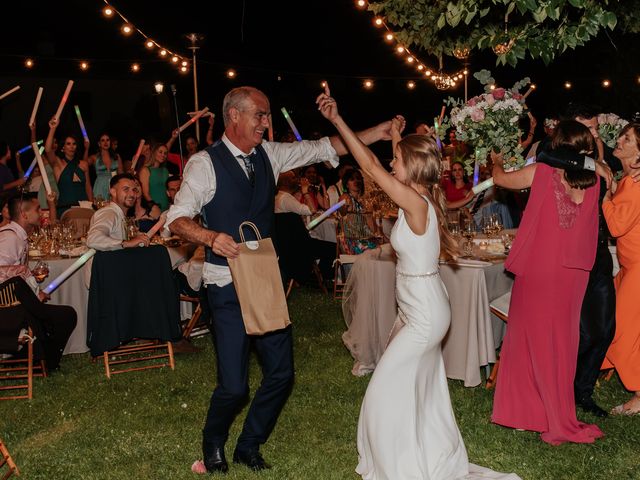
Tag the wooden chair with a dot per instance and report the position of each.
(7, 461)
(151, 354)
(194, 327)
(500, 308)
(16, 374)
(80, 218)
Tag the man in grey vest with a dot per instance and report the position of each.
(229, 182)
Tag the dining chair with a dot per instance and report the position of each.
(500, 308)
(16, 374)
(7, 461)
(80, 218)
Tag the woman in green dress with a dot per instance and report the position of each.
(154, 174)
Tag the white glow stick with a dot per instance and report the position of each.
(194, 119)
(32, 119)
(9, 92)
(290, 122)
(33, 163)
(134, 160)
(531, 89)
(316, 221)
(159, 224)
(207, 114)
(45, 179)
(64, 100)
(482, 186)
(75, 266)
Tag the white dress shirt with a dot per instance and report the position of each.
(199, 183)
(287, 203)
(108, 228)
(14, 249)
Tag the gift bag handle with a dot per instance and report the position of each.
(253, 226)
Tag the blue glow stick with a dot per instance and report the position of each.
(82, 129)
(59, 280)
(315, 222)
(33, 164)
(290, 122)
(476, 171)
(28, 147)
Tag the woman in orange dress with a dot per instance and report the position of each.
(621, 208)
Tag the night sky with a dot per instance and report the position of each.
(285, 48)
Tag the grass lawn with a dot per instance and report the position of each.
(146, 425)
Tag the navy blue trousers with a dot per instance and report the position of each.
(275, 353)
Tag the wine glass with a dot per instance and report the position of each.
(40, 271)
(468, 232)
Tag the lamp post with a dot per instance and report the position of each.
(195, 39)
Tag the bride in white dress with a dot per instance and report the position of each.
(407, 429)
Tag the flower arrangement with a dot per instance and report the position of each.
(609, 126)
(490, 121)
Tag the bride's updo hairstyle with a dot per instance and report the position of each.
(423, 165)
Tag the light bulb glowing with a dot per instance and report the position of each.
(606, 83)
(323, 84)
(368, 84)
(361, 3)
(410, 59)
(135, 67)
(163, 53)
(126, 29)
(185, 63)
(567, 85)
(388, 37)
(107, 11)
(174, 59)
(231, 73)
(378, 22)
(465, 71)
(158, 87)
(427, 73)
(400, 49)
(492, 87)
(84, 65)
(28, 63)
(420, 67)
(149, 44)
(183, 69)
(411, 85)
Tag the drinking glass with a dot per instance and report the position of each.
(40, 271)
(468, 232)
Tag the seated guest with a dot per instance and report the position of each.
(4, 212)
(621, 208)
(337, 189)
(145, 213)
(52, 324)
(288, 186)
(353, 185)
(457, 188)
(108, 225)
(172, 186)
(317, 192)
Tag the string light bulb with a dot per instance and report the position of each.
(174, 59)
(361, 3)
(606, 83)
(163, 53)
(135, 67)
(183, 69)
(388, 37)
(107, 11)
(399, 49)
(378, 22)
(420, 67)
(28, 63)
(323, 84)
(411, 84)
(185, 63)
(567, 85)
(149, 44)
(231, 73)
(126, 29)
(368, 84)
(84, 65)
(410, 59)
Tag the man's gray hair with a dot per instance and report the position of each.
(235, 99)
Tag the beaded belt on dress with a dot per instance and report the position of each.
(417, 275)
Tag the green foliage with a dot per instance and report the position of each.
(541, 29)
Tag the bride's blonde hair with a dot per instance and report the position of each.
(423, 164)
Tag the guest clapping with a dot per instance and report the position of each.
(621, 207)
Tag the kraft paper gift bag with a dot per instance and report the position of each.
(256, 277)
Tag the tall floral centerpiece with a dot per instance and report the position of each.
(490, 122)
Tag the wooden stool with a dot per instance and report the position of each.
(8, 461)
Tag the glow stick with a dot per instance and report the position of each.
(194, 119)
(75, 266)
(482, 186)
(436, 127)
(134, 160)
(32, 119)
(159, 224)
(45, 179)
(79, 115)
(316, 221)
(290, 122)
(444, 108)
(33, 163)
(207, 114)
(476, 170)
(29, 147)
(531, 89)
(64, 100)
(9, 92)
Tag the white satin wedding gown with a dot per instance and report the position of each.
(407, 429)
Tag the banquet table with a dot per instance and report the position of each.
(369, 308)
(75, 291)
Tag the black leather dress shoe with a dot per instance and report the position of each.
(214, 460)
(588, 405)
(251, 459)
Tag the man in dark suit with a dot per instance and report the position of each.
(229, 182)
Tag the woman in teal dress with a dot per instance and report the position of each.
(107, 164)
(154, 174)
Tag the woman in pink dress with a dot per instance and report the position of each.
(551, 259)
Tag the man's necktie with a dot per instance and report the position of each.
(248, 163)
